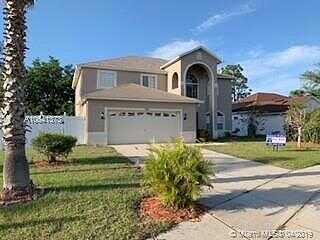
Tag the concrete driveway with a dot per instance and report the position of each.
(251, 200)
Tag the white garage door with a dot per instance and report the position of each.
(125, 126)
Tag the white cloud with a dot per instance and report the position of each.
(295, 56)
(173, 49)
(280, 70)
(223, 17)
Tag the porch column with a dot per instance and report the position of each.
(214, 106)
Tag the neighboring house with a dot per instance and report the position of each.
(142, 99)
(267, 111)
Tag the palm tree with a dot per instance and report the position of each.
(16, 174)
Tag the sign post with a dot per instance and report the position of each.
(276, 141)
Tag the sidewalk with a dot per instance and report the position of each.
(250, 198)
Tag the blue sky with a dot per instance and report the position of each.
(274, 40)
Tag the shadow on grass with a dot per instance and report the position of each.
(99, 160)
(84, 170)
(287, 162)
(241, 139)
(33, 223)
(269, 159)
(301, 150)
(87, 188)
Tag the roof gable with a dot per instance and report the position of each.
(189, 52)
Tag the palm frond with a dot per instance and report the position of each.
(28, 3)
(176, 172)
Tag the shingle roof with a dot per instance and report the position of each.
(302, 99)
(130, 63)
(269, 101)
(134, 92)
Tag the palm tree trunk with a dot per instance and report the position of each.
(16, 174)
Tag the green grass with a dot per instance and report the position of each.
(288, 157)
(93, 197)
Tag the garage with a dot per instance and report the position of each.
(130, 114)
(125, 126)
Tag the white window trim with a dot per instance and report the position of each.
(149, 75)
(198, 88)
(99, 78)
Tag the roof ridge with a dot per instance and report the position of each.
(121, 58)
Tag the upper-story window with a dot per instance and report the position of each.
(192, 86)
(175, 81)
(106, 79)
(220, 121)
(148, 80)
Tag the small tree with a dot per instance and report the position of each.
(239, 84)
(312, 81)
(312, 128)
(48, 88)
(255, 122)
(54, 146)
(298, 93)
(296, 120)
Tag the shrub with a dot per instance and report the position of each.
(312, 127)
(54, 146)
(203, 135)
(175, 172)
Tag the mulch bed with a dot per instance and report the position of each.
(152, 207)
(8, 197)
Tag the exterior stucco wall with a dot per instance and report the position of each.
(266, 123)
(96, 126)
(216, 98)
(312, 105)
(174, 68)
(210, 64)
(79, 93)
(199, 56)
(90, 76)
(224, 101)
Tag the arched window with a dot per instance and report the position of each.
(192, 86)
(175, 81)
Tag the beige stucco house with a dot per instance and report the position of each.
(142, 99)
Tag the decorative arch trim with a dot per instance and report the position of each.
(213, 81)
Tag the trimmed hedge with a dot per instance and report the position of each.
(54, 146)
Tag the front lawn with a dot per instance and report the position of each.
(288, 157)
(93, 197)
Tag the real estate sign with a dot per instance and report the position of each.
(276, 140)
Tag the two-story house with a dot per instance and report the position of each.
(142, 99)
